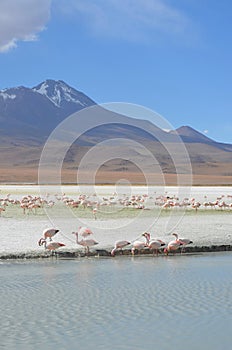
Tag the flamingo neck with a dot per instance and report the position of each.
(176, 235)
(147, 236)
(44, 242)
(77, 239)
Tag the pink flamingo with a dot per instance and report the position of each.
(24, 206)
(52, 246)
(184, 241)
(138, 245)
(48, 233)
(119, 245)
(173, 246)
(86, 243)
(153, 244)
(95, 213)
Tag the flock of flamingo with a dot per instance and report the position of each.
(31, 204)
(151, 243)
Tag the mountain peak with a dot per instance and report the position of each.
(60, 93)
(39, 109)
(187, 133)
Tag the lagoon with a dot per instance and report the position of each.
(173, 302)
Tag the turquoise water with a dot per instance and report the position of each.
(174, 302)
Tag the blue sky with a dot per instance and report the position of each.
(171, 56)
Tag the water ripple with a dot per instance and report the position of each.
(117, 303)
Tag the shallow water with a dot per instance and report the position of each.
(174, 302)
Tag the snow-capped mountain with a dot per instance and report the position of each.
(7, 94)
(41, 108)
(29, 115)
(60, 94)
(35, 112)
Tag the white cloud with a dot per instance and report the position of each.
(21, 20)
(128, 19)
(206, 131)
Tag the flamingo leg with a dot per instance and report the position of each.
(182, 249)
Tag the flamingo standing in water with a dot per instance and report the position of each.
(138, 245)
(86, 243)
(119, 245)
(173, 245)
(153, 244)
(184, 241)
(48, 233)
(52, 246)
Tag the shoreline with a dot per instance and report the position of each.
(36, 184)
(33, 255)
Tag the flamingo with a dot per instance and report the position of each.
(173, 245)
(52, 246)
(153, 244)
(84, 231)
(95, 213)
(48, 233)
(119, 245)
(86, 243)
(184, 241)
(139, 245)
(24, 206)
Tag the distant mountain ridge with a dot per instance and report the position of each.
(29, 115)
(190, 135)
(38, 110)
